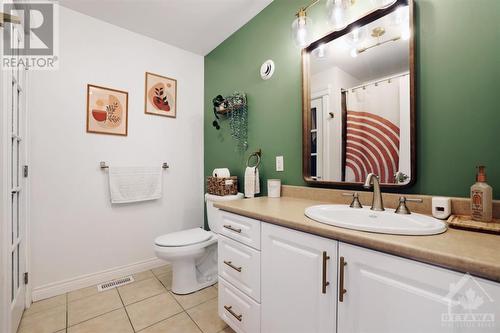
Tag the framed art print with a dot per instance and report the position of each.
(160, 95)
(107, 110)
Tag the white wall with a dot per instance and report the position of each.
(74, 228)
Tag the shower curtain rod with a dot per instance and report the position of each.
(375, 82)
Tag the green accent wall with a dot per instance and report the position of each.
(458, 93)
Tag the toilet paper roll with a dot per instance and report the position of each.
(221, 173)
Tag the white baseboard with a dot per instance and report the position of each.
(64, 286)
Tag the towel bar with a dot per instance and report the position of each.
(258, 155)
(104, 166)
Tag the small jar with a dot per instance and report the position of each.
(274, 188)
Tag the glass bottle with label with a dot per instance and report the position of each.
(481, 195)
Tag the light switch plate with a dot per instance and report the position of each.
(279, 163)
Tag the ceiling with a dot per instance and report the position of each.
(194, 25)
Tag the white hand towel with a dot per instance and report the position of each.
(257, 181)
(252, 186)
(132, 184)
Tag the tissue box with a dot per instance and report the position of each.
(222, 186)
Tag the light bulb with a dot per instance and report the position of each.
(399, 16)
(300, 32)
(356, 35)
(354, 52)
(337, 12)
(320, 51)
(337, 18)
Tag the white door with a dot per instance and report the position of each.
(388, 294)
(299, 278)
(316, 159)
(14, 186)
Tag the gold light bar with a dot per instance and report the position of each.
(8, 18)
(378, 44)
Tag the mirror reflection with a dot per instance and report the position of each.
(360, 104)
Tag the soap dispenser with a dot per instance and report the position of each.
(481, 195)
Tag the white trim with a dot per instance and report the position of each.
(4, 295)
(27, 226)
(87, 280)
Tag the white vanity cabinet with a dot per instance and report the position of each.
(239, 268)
(299, 278)
(386, 293)
(274, 279)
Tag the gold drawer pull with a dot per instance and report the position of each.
(342, 290)
(324, 282)
(230, 227)
(229, 309)
(230, 264)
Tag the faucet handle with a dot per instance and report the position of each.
(355, 199)
(402, 208)
(400, 177)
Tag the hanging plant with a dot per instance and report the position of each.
(235, 109)
(238, 119)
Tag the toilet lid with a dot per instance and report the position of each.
(184, 237)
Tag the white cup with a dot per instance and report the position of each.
(274, 188)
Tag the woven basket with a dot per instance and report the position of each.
(222, 186)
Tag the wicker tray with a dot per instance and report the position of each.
(222, 186)
(466, 222)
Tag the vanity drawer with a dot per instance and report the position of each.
(237, 309)
(242, 229)
(240, 265)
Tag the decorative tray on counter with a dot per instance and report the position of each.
(466, 222)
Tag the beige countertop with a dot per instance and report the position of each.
(464, 251)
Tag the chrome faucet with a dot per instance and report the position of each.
(377, 203)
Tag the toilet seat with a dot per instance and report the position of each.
(184, 238)
(174, 252)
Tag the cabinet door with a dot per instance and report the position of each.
(240, 266)
(298, 287)
(385, 294)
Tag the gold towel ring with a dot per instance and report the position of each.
(256, 154)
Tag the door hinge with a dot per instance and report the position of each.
(25, 171)
(26, 278)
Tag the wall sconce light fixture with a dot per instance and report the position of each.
(337, 12)
(302, 23)
(300, 26)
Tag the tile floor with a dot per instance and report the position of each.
(147, 305)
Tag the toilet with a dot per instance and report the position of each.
(193, 252)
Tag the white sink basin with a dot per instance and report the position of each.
(386, 222)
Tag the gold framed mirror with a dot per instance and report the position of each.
(358, 92)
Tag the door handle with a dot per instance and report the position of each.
(230, 227)
(342, 290)
(230, 310)
(230, 264)
(324, 283)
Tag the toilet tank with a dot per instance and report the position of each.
(213, 214)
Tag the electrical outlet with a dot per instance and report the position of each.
(280, 166)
